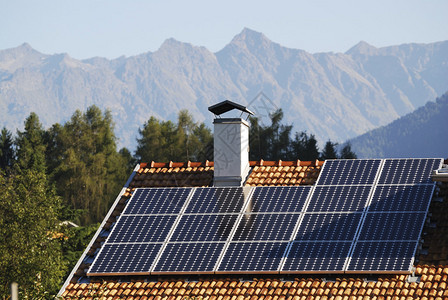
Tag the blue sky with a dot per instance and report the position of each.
(111, 28)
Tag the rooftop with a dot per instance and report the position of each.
(431, 267)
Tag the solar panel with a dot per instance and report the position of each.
(266, 227)
(409, 171)
(204, 228)
(279, 199)
(401, 198)
(141, 229)
(392, 226)
(124, 259)
(249, 257)
(339, 198)
(189, 258)
(306, 257)
(328, 226)
(157, 201)
(217, 200)
(348, 172)
(382, 256)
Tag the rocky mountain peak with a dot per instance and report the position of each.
(19, 57)
(173, 44)
(250, 38)
(25, 47)
(363, 48)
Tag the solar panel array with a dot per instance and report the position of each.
(361, 216)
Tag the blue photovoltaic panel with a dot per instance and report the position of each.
(204, 228)
(157, 201)
(141, 229)
(392, 226)
(266, 227)
(408, 171)
(328, 226)
(189, 257)
(339, 198)
(279, 199)
(401, 198)
(348, 172)
(217, 200)
(125, 259)
(382, 257)
(317, 256)
(253, 257)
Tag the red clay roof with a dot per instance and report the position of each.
(432, 285)
(431, 268)
(201, 174)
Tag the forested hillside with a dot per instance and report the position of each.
(422, 133)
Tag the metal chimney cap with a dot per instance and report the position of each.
(227, 105)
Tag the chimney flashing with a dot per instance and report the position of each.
(231, 121)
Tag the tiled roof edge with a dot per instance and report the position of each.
(92, 241)
(277, 163)
(171, 164)
(289, 163)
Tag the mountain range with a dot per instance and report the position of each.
(335, 96)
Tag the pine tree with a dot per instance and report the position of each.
(329, 151)
(305, 147)
(202, 141)
(150, 142)
(347, 153)
(30, 145)
(185, 130)
(257, 140)
(128, 159)
(311, 149)
(6, 150)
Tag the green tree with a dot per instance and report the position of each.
(151, 142)
(30, 252)
(202, 143)
(329, 151)
(167, 141)
(128, 159)
(31, 147)
(257, 140)
(185, 128)
(271, 142)
(6, 150)
(305, 147)
(77, 240)
(347, 153)
(85, 165)
(280, 137)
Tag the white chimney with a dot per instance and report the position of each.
(231, 146)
